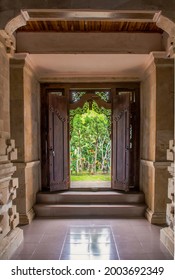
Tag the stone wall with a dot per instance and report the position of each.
(156, 129)
(10, 235)
(4, 93)
(167, 234)
(25, 111)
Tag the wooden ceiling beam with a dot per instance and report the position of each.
(90, 26)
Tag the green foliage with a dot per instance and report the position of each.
(90, 143)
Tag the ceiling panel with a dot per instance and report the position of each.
(78, 65)
(90, 26)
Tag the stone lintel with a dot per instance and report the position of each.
(92, 43)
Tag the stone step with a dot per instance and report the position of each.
(90, 210)
(98, 197)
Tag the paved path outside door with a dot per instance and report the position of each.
(90, 184)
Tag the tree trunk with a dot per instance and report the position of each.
(95, 156)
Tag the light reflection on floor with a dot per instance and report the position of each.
(89, 242)
(130, 239)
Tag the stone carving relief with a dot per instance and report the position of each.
(169, 27)
(171, 169)
(167, 233)
(16, 22)
(8, 41)
(9, 218)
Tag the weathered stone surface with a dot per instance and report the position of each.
(171, 169)
(7, 169)
(154, 178)
(4, 225)
(167, 234)
(29, 182)
(167, 238)
(157, 126)
(25, 110)
(148, 117)
(9, 244)
(4, 90)
(164, 114)
(2, 146)
(171, 151)
(170, 155)
(9, 217)
(49, 43)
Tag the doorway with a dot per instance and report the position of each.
(119, 103)
(90, 139)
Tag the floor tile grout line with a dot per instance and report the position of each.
(115, 243)
(63, 244)
(42, 237)
(37, 246)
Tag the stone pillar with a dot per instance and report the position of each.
(25, 129)
(10, 235)
(157, 125)
(167, 234)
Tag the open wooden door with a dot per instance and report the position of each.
(121, 141)
(58, 151)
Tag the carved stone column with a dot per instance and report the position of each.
(25, 111)
(157, 127)
(167, 234)
(10, 235)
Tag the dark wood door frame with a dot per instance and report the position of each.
(113, 87)
(125, 138)
(58, 142)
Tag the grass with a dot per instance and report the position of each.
(88, 177)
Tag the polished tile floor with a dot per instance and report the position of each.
(91, 239)
(90, 243)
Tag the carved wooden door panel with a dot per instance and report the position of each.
(121, 141)
(58, 151)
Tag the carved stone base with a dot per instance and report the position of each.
(10, 243)
(28, 174)
(167, 238)
(25, 219)
(155, 218)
